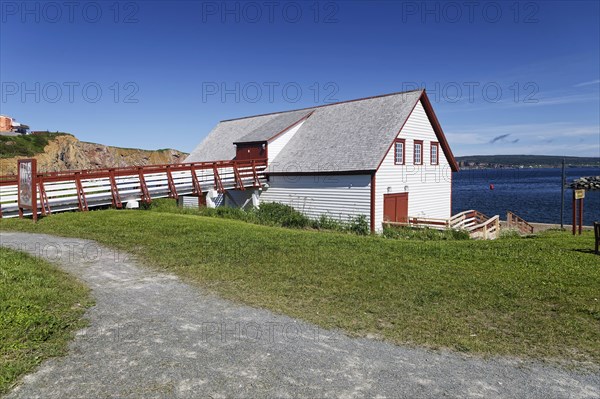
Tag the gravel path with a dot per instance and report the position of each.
(153, 336)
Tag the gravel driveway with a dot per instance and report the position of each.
(153, 336)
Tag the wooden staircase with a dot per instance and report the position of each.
(517, 223)
(478, 225)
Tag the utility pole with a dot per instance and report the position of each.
(563, 181)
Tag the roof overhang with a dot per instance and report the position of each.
(323, 173)
(269, 136)
(437, 128)
(250, 142)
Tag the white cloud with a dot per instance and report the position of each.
(559, 138)
(581, 150)
(591, 82)
(547, 130)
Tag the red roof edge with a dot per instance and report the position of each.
(437, 128)
(305, 117)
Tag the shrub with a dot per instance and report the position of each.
(359, 225)
(276, 214)
(326, 222)
(227, 212)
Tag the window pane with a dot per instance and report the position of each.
(434, 157)
(417, 153)
(399, 153)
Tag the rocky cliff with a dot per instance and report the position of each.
(67, 152)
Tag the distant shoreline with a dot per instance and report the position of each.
(525, 161)
(527, 167)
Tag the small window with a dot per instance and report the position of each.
(418, 154)
(434, 153)
(399, 152)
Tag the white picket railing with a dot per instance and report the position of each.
(478, 225)
(59, 191)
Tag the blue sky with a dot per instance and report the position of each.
(504, 77)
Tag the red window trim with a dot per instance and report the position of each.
(415, 153)
(403, 141)
(437, 152)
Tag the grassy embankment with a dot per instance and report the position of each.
(40, 307)
(532, 297)
(25, 145)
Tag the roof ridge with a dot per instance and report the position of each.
(323, 105)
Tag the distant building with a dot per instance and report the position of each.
(11, 126)
(5, 124)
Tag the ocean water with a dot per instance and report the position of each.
(533, 194)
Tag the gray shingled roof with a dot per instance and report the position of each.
(347, 136)
(218, 145)
(274, 126)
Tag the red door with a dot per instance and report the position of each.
(395, 207)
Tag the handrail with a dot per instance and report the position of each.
(422, 222)
(514, 220)
(133, 170)
(484, 223)
(476, 223)
(489, 229)
(83, 189)
(461, 214)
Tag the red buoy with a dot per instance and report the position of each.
(491, 186)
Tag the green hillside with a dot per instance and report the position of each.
(25, 145)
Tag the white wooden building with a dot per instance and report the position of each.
(384, 157)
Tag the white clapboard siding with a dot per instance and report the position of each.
(341, 197)
(277, 144)
(187, 201)
(429, 186)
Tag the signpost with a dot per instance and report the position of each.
(563, 183)
(27, 186)
(578, 196)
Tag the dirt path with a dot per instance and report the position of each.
(153, 336)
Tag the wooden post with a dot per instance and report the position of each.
(82, 201)
(145, 194)
(196, 183)
(580, 215)
(574, 213)
(563, 182)
(44, 198)
(171, 184)
(114, 190)
(201, 201)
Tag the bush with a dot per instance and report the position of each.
(228, 213)
(276, 214)
(359, 225)
(327, 223)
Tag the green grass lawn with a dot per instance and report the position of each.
(40, 307)
(535, 297)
